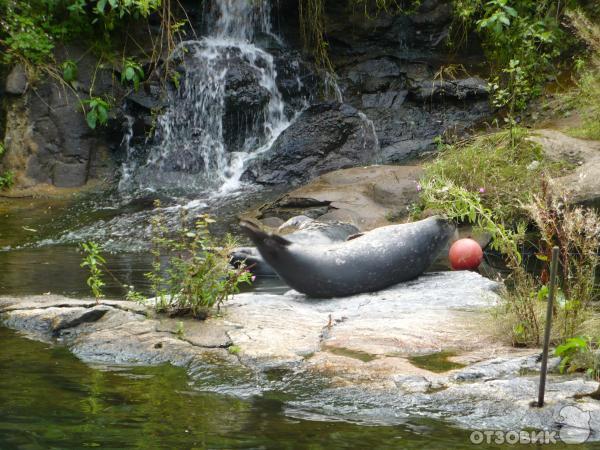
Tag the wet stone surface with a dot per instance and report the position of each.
(348, 358)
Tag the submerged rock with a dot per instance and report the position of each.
(345, 358)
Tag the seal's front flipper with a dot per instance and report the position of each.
(354, 236)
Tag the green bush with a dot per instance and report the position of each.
(522, 40)
(7, 180)
(499, 184)
(585, 98)
(30, 29)
(504, 168)
(191, 272)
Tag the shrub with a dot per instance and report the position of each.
(575, 230)
(503, 168)
(132, 73)
(69, 70)
(7, 180)
(586, 95)
(191, 272)
(579, 353)
(522, 40)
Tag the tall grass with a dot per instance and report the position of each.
(585, 98)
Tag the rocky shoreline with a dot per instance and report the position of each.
(358, 358)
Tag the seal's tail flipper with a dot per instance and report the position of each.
(260, 238)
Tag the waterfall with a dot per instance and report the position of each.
(226, 109)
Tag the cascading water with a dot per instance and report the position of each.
(226, 110)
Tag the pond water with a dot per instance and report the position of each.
(51, 400)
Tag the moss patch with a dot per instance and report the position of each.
(436, 362)
(355, 354)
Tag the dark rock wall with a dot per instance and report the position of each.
(391, 68)
(47, 139)
(388, 67)
(326, 137)
(397, 71)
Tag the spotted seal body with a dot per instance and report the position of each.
(309, 233)
(373, 261)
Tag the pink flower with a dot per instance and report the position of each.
(419, 187)
(253, 277)
(482, 190)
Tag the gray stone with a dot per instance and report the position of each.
(582, 185)
(325, 137)
(387, 99)
(345, 358)
(16, 81)
(460, 89)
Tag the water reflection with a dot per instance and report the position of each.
(49, 399)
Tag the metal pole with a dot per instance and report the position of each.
(553, 270)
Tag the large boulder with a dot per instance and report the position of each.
(425, 348)
(582, 185)
(325, 137)
(366, 197)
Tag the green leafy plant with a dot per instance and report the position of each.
(135, 296)
(585, 96)
(7, 180)
(132, 73)
(97, 113)
(25, 37)
(69, 70)
(191, 272)
(449, 186)
(180, 330)
(579, 354)
(569, 351)
(522, 40)
(461, 205)
(93, 260)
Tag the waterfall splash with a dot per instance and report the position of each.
(226, 109)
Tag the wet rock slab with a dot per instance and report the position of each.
(361, 348)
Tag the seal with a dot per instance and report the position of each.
(308, 232)
(366, 263)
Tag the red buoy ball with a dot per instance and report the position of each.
(465, 254)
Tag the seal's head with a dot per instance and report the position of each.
(447, 229)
